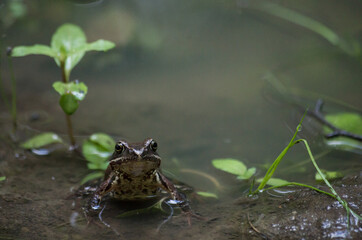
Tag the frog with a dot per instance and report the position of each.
(134, 173)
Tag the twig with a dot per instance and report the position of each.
(317, 114)
(254, 228)
(203, 174)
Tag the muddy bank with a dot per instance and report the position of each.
(301, 214)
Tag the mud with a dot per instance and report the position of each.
(37, 201)
(302, 214)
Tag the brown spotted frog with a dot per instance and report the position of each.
(134, 173)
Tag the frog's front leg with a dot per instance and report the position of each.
(105, 187)
(181, 200)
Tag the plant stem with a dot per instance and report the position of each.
(302, 185)
(275, 164)
(13, 93)
(340, 200)
(2, 92)
(70, 130)
(67, 117)
(64, 76)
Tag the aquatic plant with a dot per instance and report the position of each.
(276, 162)
(97, 149)
(67, 48)
(348, 45)
(341, 130)
(235, 167)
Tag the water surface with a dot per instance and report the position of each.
(192, 76)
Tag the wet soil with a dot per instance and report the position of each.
(301, 214)
(37, 201)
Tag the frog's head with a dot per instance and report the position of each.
(135, 159)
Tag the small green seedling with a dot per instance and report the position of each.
(2, 178)
(67, 48)
(235, 167)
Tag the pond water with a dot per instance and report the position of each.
(194, 76)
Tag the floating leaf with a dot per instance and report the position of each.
(274, 181)
(229, 165)
(2, 178)
(42, 140)
(351, 122)
(77, 89)
(21, 51)
(69, 103)
(92, 176)
(329, 175)
(207, 194)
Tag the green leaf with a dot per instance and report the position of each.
(207, 194)
(351, 122)
(70, 44)
(2, 178)
(273, 181)
(104, 141)
(97, 149)
(77, 89)
(229, 165)
(92, 176)
(21, 51)
(99, 45)
(94, 152)
(276, 162)
(99, 165)
(248, 174)
(67, 41)
(329, 175)
(69, 103)
(41, 140)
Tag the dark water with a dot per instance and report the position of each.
(192, 76)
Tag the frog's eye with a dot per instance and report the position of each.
(153, 145)
(119, 147)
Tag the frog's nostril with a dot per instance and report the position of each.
(138, 152)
